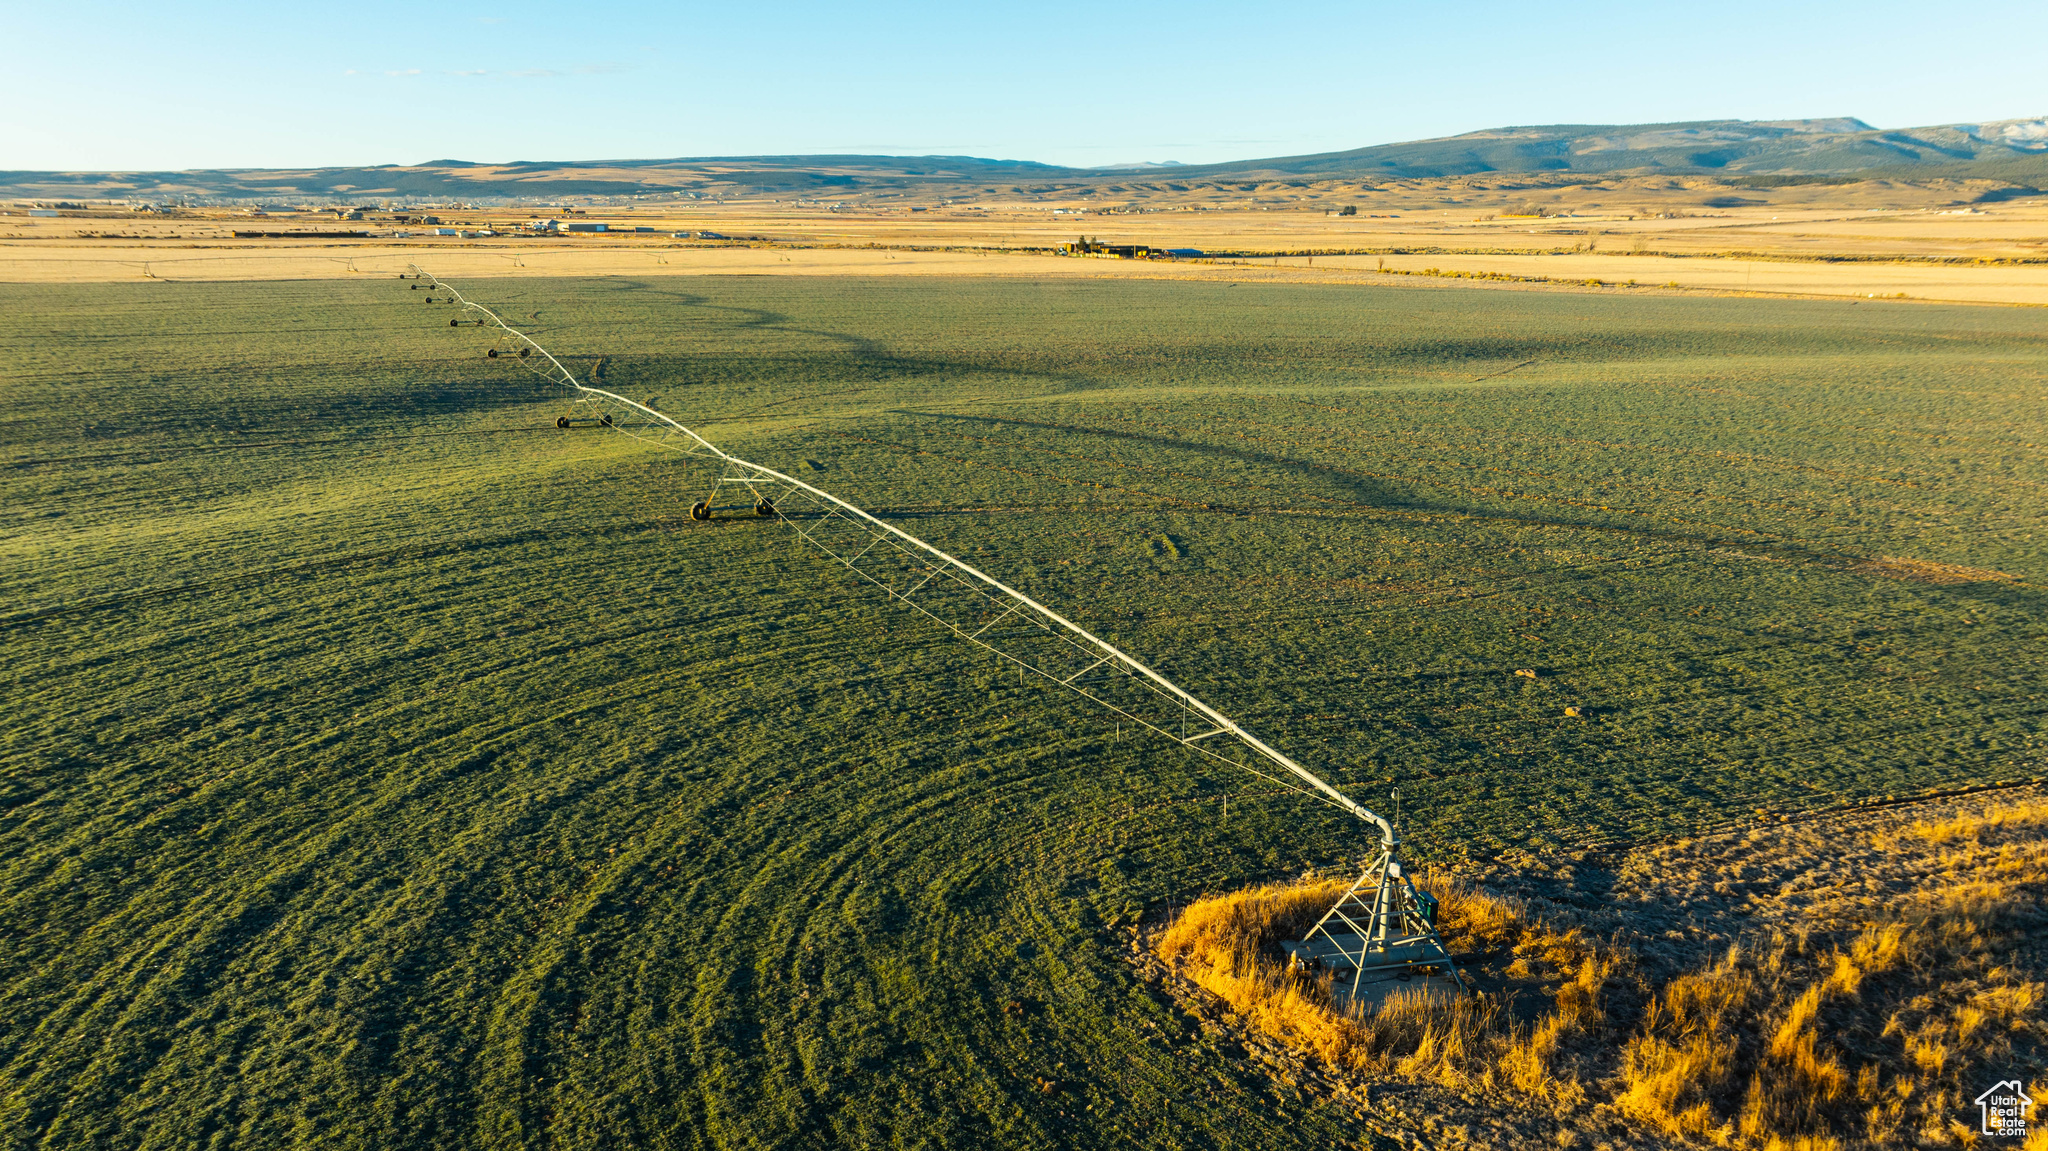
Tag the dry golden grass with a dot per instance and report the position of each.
(1874, 1034)
(1222, 943)
(1248, 919)
(1928, 980)
(1681, 1058)
(1844, 242)
(1971, 828)
(1225, 945)
(88, 262)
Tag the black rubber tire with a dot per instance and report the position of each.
(764, 509)
(525, 352)
(561, 421)
(491, 355)
(455, 323)
(701, 510)
(606, 419)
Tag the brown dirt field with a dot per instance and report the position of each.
(289, 260)
(1877, 239)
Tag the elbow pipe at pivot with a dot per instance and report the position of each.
(1388, 837)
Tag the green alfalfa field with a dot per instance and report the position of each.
(384, 767)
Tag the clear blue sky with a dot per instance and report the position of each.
(197, 84)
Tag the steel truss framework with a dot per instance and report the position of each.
(1390, 930)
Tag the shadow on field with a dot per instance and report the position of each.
(2014, 597)
(1374, 494)
(1385, 498)
(872, 354)
(761, 318)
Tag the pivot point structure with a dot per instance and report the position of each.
(1383, 926)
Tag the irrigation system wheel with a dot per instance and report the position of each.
(701, 510)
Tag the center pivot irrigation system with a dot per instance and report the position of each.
(1383, 926)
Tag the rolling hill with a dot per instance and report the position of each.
(1840, 146)
(2011, 150)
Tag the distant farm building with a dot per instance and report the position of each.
(300, 235)
(574, 226)
(1101, 251)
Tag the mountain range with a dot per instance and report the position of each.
(2011, 151)
(1830, 147)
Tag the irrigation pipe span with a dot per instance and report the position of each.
(974, 605)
